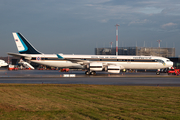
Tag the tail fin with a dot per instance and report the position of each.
(23, 45)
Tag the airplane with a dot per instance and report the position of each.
(3, 63)
(91, 63)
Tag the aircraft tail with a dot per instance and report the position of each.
(23, 45)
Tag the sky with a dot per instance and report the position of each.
(79, 26)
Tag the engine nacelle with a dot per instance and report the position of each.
(113, 69)
(95, 66)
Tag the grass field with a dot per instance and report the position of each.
(40, 102)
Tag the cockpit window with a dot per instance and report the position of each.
(158, 60)
(167, 60)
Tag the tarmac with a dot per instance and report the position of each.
(56, 73)
(78, 77)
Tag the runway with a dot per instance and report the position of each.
(96, 81)
(56, 77)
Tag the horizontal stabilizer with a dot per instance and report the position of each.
(17, 55)
(60, 57)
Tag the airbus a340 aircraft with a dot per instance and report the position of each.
(92, 63)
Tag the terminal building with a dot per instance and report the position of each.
(138, 51)
(147, 51)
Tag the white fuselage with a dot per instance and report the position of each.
(125, 62)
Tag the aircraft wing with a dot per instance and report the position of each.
(82, 62)
(79, 61)
(85, 62)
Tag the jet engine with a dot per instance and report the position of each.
(95, 66)
(113, 69)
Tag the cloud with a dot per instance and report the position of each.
(150, 10)
(98, 1)
(169, 25)
(138, 22)
(89, 5)
(104, 20)
(130, 10)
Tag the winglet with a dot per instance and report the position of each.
(60, 57)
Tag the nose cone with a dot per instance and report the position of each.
(170, 64)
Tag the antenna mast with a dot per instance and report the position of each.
(117, 38)
(159, 42)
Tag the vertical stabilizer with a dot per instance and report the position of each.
(23, 45)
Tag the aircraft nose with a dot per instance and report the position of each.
(171, 64)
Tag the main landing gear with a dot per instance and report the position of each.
(158, 72)
(90, 73)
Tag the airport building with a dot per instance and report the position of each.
(163, 52)
(176, 61)
(147, 51)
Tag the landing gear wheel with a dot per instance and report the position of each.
(93, 73)
(87, 72)
(157, 73)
